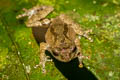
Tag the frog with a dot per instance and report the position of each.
(62, 38)
(36, 15)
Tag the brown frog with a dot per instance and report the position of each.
(62, 36)
(36, 16)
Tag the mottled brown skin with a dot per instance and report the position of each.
(62, 37)
(36, 16)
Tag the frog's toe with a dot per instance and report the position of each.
(36, 66)
(43, 70)
(48, 58)
(80, 65)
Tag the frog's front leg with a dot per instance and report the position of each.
(79, 52)
(81, 33)
(43, 57)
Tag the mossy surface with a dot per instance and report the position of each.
(19, 52)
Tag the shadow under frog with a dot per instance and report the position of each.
(60, 37)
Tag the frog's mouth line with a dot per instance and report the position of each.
(72, 50)
(65, 54)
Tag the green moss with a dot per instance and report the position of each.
(18, 47)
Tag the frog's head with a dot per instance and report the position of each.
(64, 49)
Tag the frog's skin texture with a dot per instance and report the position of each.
(36, 16)
(62, 36)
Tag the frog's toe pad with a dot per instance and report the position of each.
(80, 65)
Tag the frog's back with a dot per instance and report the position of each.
(58, 29)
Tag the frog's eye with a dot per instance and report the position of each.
(42, 8)
(56, 54)
(38, 10)
(74, 49)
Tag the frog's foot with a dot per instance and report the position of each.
(48, 59)
(24, 14)
(21, 15)
(24, 9)
(42, 64)
(80, 58)
(86, 35)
